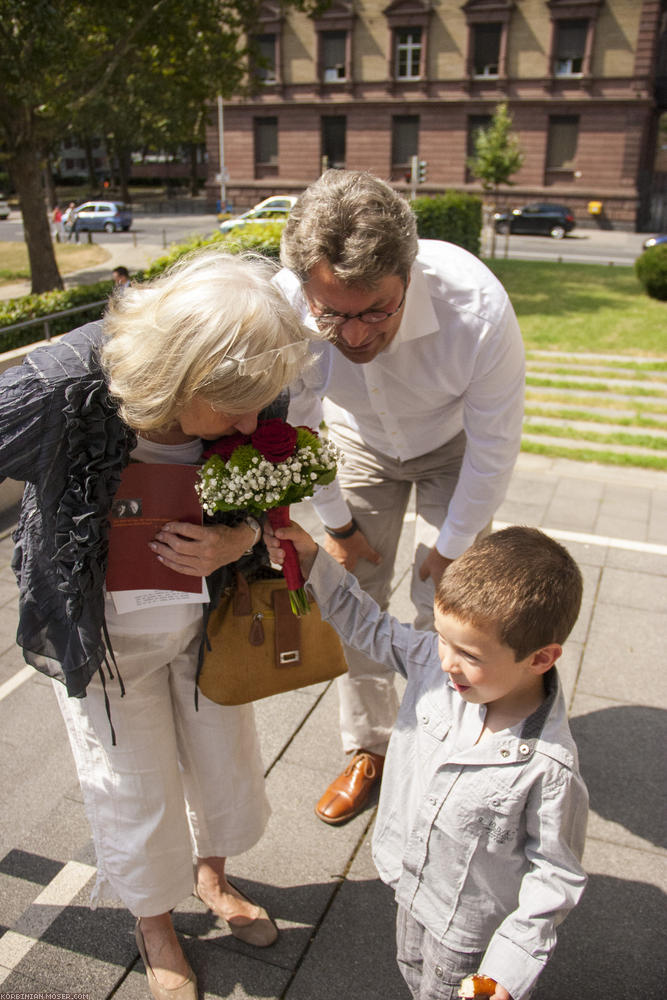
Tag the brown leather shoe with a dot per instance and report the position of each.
(347, 795)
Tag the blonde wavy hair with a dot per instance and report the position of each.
(355, 223)
(212, 326)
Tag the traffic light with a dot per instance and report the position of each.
(421, 171)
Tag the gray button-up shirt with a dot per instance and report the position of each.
(481, 841)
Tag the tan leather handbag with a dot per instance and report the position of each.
(257, 647)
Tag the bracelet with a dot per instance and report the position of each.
(346, 533)
(253, 523)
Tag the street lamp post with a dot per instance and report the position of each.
(221, 148)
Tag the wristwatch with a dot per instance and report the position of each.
(253, 523)
(346, 533)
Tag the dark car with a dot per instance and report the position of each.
(538, 219)
(655, 241)
(110, 216)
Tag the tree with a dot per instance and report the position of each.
(497, 157)
(139, 62)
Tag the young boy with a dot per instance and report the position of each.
(482, 814)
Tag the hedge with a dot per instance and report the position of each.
(263, 239)
(454, 217)
(651, 269)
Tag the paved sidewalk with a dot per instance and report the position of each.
(336, 918)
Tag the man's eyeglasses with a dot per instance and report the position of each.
(335, 319)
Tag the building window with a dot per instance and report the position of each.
(486, 49)
(266, 142)
(562, 142)
(334, 45)
(265, 66)
(404, 144)
(333, 142)
(570, 48)
(408, 53)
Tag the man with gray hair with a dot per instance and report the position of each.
(421, 383)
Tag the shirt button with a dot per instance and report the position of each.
(504, 752)
(524, 749)
(439, 971)
(495, 803)
(425, 720)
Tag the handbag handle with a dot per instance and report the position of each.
(241, 601)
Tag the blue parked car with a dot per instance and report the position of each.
(655, 241)
(107, 216)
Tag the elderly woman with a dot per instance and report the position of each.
(193, 355)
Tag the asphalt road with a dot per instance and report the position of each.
(583, 245)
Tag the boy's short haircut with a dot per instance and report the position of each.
(518, 580)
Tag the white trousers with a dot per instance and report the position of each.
(178, 783)
(377, 489)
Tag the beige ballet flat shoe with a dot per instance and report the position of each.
(186, 991)
(260, 932)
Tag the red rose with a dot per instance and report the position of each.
(274, 439)
(224, 446)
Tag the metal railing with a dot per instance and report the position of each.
(46, 321)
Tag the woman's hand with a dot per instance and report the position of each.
(198, 550)
(306, 547)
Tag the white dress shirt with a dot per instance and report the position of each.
(456, 363)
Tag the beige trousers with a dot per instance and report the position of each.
(377, 489)
(178, 783)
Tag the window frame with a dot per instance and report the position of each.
(573, 10)
(480, 13)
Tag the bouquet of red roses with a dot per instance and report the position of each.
(268, 470)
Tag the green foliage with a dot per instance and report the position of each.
(454, 217)
(651, 269)
(33, 306)
(497, 152)
(258, 238)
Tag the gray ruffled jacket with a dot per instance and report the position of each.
(60, 432)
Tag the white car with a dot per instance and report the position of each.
(4, 210)
(275, 209)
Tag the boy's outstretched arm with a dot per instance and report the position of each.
(306, 546)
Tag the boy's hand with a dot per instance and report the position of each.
(500, 994)
(306, 547)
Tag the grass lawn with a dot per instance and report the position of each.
(70, 257)
(592, 307)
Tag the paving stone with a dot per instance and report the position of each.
(622, 527)
(624, 657)
(651, 563)
(631, 590)
(359, 925)
(622, 761)
(615, 934)
(564, 513)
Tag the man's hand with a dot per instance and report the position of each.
(348, 551)
(198, 550)
(434, 566)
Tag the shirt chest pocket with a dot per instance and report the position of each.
(493, 815)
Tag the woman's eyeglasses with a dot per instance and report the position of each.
(327, 320)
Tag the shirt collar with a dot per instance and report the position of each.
(419, 318)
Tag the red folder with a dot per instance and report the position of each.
(149, 496)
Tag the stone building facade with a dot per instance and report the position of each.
(369, 84)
